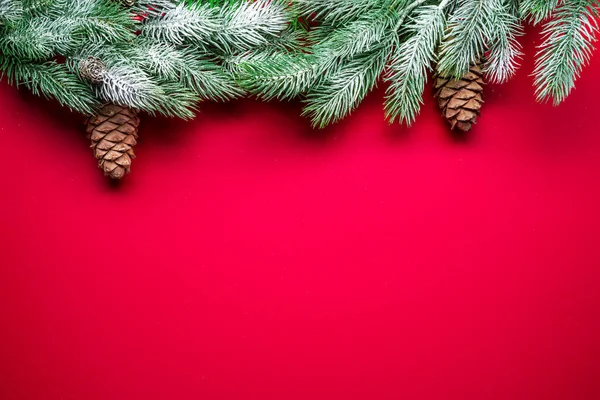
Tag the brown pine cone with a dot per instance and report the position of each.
(460, 100)
(114, 132)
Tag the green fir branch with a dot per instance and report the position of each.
(568, 43)
(279, 75)
(132, 87)
(194, 71)
(51, 80)
(48, 8)
(98, 21)
(336, 11)
(357, 36)
(10, 10)
(34, 39)
(502, 61)
(410, 62)
(249, 25)
(332, 52)
(176, 100)
(470, 29)
(537, 11)
(183, 24)
(343, 91)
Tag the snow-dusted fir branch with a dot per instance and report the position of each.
(336, 11)
(566, 48)
(249, 25)
(285, 74)
(196, 71)
(359, 35)
(176, 61)
(152, 8)
(359, 50)
(343, 91)
(10, 10)
(131, 86)
(411, 60)
(183, 24)
(538, 10)
(331, 52)
(176, 101)
(51, 80)
(75, 22)
(504, 50)
(97, 20)
(232, 27)
(34, 40)
(470, 28)
(37, 7)
(279, 75)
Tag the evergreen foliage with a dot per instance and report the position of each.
(355, 43)
(161, 56)
(567, 47)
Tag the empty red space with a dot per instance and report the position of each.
(248, 256)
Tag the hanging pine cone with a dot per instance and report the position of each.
(460, 100)
(114, 132)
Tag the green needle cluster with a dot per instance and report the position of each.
(161, 56)
(354, 44)
(331, 53)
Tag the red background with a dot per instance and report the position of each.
(250, 257)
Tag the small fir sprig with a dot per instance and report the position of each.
(568, 43)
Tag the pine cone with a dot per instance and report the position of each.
(114, 132)
(460, 100)
(92, 69)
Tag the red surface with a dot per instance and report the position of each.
(249, 257)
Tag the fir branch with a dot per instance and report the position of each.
(538, 10)
(567, 47)
(112, 55)
(98, 21)
(292, 39)
(132, 87)
(335, 11)
(34, 39)
(48, 8)
(357, 36)
(249, 25)
(513, 7)
(162, 59)
(176, 101)
(505, 50)
(343, 91)
(152, 8)
(39, 38)
(129, 86)
(10, 10)
(183, 24)
(471, 27)
(51, 80)
(278, 75)
(410, 63)
(189, 68)
(285, 75)
(210, 81)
